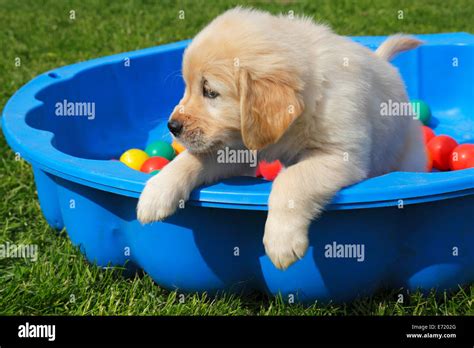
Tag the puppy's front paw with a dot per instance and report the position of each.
(158, 201)
(284, 242)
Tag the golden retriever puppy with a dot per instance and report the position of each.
(294, 91)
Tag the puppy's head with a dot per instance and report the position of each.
(242, 86)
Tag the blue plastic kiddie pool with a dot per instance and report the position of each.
(416, 230)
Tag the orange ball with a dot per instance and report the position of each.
(440, 149)
(178, 148)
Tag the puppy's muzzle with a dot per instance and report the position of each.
(175, 127)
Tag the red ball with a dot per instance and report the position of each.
(462, 157)
(428, 134)
(429, 162)
(258, 173)
(154, 163)
(270, 170)
(440, 149)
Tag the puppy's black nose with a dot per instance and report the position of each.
(175, 127)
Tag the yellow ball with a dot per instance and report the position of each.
(134, 158)
(178, 148)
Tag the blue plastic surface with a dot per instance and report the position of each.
(194, 250)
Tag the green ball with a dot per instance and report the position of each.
(154, 172)
(423, 111)
(160, 149)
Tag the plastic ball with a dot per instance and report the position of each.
(270, 170)
(462, 157)
(160, 149)
(429, 162)
(470, 163)
(423, 111)
(134, 158)
(154, 163)
(154, 172)
(178, 148)
(440, 148)
(428, 134)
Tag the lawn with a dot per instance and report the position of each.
(43, 35)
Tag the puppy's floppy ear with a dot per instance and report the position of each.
(268, 106)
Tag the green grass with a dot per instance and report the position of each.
(41, 34)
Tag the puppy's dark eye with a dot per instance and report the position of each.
(209, 93)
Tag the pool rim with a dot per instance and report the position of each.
(36, 147)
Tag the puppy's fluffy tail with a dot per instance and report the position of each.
(396, 44)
